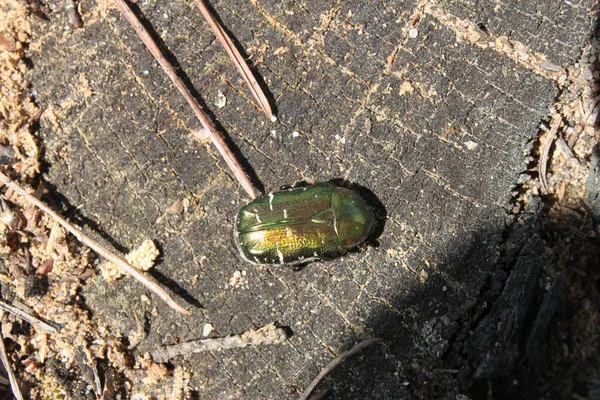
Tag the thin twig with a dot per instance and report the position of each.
(547, 141)
(268, 334)
(141, 277)
(320, 395)
(28, 317)
(216, 136)
(593, 110)
(238, 60)
(335, 362)
(14, 384)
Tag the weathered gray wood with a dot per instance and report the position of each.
(439, 129)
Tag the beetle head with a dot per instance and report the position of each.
(354, 218)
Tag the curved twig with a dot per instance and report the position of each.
(335, 362)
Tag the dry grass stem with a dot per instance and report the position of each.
(144, 279)
(267, 335)
(238, 60)
(14, 384)
(335, 362)
(28, 317)
(216, 136)
(546, 144)
(564, 148)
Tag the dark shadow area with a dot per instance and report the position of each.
(529, 332)
(596, 62)
(75, 387)
(498, 342)
(190, 87)
(593, 185)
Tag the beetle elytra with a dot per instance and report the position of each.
(300, 225)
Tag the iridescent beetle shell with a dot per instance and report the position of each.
(304, 224)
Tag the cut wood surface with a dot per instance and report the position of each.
(432, 110)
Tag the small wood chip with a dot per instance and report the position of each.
(207, 329)
(564, 148)
(176, 208)
(142, 258)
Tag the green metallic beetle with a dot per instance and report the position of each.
(300, 225)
